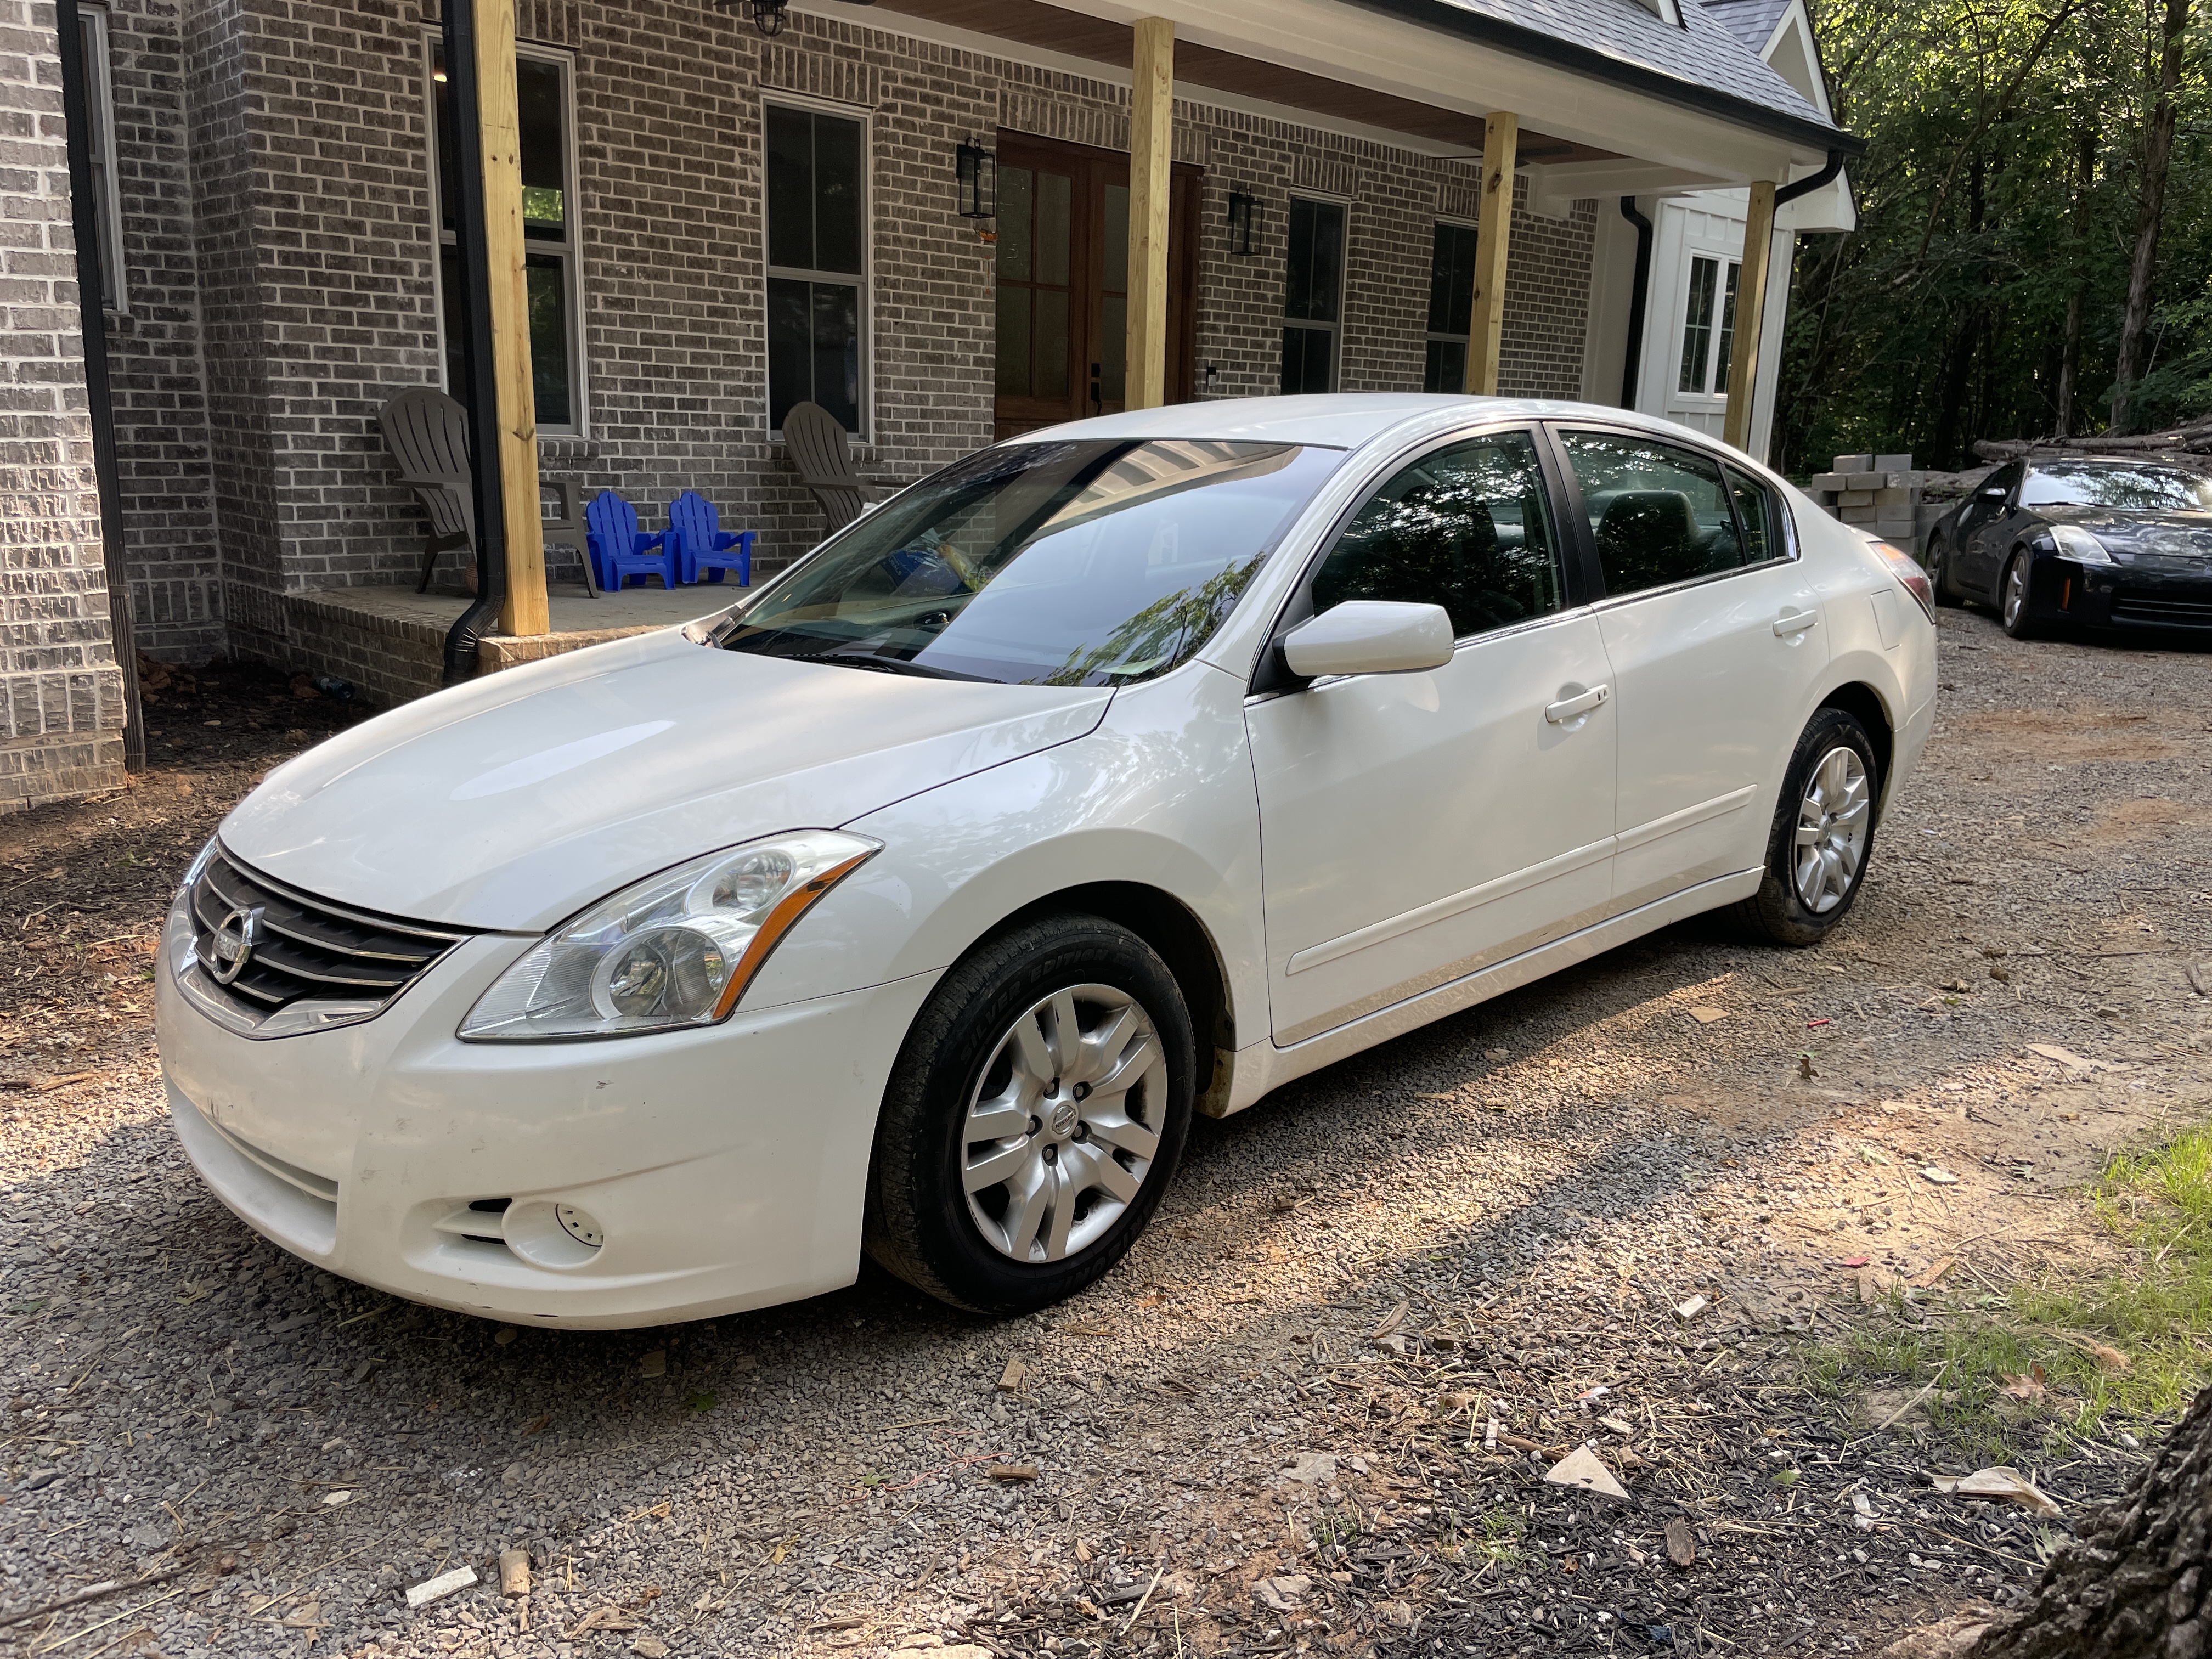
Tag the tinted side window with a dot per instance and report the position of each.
(1659, 514)
(1467, 527)
(1756, 513)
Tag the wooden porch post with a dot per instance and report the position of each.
(1750, 313)
(522, 610)
(1151, 170)
(1493, 231)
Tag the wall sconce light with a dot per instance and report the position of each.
(979, 182)
(769, 16)
(1243, 224)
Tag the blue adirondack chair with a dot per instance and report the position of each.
(702, 543)
(619, 550)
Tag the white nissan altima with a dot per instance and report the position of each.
(913, 905)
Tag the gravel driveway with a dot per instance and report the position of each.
(1313, 1410)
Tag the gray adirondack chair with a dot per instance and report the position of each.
(814, 439)
(428, 434)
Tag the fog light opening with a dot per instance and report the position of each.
(549, 1235)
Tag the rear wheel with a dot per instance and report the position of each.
(2013, 593)
(1823, 834)
(1036, 1113)
(1938, 566)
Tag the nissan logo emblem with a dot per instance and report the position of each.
(232, 946)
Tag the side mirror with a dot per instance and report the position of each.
(1369, 636)
(1990, 493)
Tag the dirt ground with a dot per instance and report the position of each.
(1313, 1411)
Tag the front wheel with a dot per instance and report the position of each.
(1823, 833)
(2013, 595)
(1037, 1110)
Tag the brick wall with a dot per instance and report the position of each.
(61, 711)
(301, 145)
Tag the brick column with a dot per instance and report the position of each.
(61, 693)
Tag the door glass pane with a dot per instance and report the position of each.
(1014, 241)
(1298, 271)
(837, 351)
(1113, 350)
(1052, 342)
(1306, 360)
(1727, 331)
(545, 149)
(839, 192)
(1114, 260)
(1013, 339)
(1054, 221)
(1697, 325)
(1468, 527)
(1659, 514)
(545, 277)
(1446, 367)
(454, 312)
(448, 145)
(1451, 280)
(791, 188)
(790, 347)
(1754, 508)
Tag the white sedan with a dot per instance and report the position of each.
(913, 905)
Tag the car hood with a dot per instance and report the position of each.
(512, 802)
(2150, 538)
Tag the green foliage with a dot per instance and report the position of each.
(2127, 1345)
(2001, 182)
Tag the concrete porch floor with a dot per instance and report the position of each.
(390, 643)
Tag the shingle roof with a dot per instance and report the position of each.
(1704, 52)
(1752, 22)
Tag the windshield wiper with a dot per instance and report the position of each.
(892, 665)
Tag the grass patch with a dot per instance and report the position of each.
(2127, 1345)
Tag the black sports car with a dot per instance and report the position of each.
(2105, 542)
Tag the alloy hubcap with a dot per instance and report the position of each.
(1833, 823)
(1063, 1124)
(2015, 590)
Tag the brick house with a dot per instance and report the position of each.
(720, 222)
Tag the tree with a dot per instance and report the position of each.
(2158, 158)
(2138, 1584)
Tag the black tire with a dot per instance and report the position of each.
(2015, 612)
(1778, 912)
(1938, 566)
(920, 1223)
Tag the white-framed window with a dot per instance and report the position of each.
(816, 228)
(1451, 306)
(100, 117)
(1708, 326)
(1313, 293)
(545, 86)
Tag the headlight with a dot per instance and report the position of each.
(672, 951)
(2079, 545)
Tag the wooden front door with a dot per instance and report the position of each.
(1063, 282)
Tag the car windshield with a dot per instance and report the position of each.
(2134, 488)
(1078, 562)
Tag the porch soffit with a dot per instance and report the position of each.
(1075, 35)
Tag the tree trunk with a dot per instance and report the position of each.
(2158, 155)
(2137, 1584)
(2070, 349)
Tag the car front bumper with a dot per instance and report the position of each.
(2126, 596)
(646, 1179)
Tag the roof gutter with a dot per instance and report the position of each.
(1445, 18)
(1784, 194)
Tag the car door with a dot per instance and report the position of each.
(1985, 527)
(1415, 828)
(1712, 631)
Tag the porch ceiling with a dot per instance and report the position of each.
(1034, 23)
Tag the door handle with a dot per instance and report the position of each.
(1803, 621)
(1096, 404)
(1568, 709)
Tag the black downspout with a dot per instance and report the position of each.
(1640, 298)
(480, 395)
(1826, 175)
(85, 217)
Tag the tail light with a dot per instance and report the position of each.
(1910, 576)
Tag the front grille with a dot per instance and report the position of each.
(305, 950)
(2161, 612)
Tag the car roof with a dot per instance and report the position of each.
(1343, 419)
